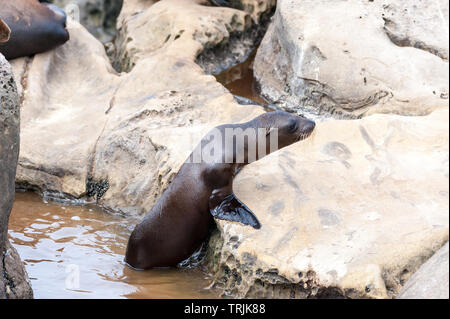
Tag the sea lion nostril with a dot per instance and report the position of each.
(64, 21)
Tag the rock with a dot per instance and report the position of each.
(349, 59)
(14, 281)
(419, 25)
(59, 129)
(119, 138)
(350, 212)
(237, 47)
(98, 16)
(17, 283)
(431, 280)
(217, 37)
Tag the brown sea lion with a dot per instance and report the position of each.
(180, 220)
(35, 27)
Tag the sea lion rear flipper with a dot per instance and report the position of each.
(232, 209)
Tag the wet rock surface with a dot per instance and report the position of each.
(14, 282)
(431, 280)
(330, 206)
(351, 59)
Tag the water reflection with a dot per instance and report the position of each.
(77, 252)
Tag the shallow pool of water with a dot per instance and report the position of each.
(240, 80)
(77, 252)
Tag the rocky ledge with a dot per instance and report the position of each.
(220, 37)
(349, 59)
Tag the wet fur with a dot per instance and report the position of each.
(180, 220)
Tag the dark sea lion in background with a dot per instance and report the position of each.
(35, 27)
(180, 220)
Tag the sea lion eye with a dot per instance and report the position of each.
(292, 126)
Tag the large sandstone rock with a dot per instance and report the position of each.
(218, 37)
(351, 212)
(14, 282)
(355, 58)
(431, 280)
(419, 24)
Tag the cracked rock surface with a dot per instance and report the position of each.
(419, 24)
(355, 58)
(171, 26)
(14, 282)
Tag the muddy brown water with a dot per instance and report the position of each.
(240, 80)
(77, 252)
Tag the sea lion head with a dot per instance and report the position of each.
(59, 33)
(290, 128)
(5, 31)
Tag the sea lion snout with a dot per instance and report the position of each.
(306, 127)
(59, 13)
(291, 128)
(59, 34)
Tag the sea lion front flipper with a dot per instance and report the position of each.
(232, 209)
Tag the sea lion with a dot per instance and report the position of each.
(180, 220)
(35, 27)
